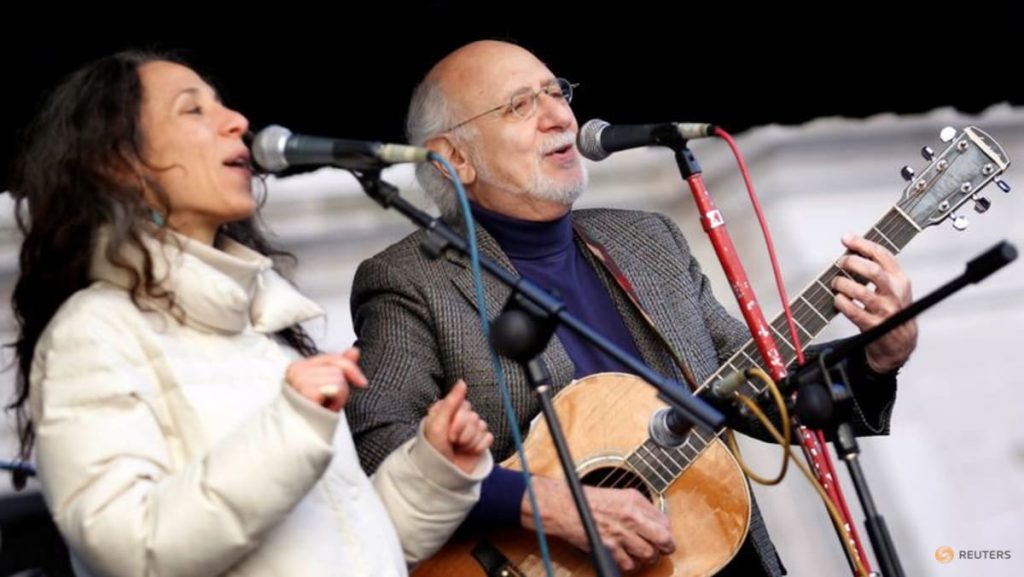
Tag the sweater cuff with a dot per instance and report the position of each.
(874, 395)
(501, 499)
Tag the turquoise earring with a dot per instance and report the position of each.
(156, 217)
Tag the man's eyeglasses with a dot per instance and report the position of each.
(523, 104)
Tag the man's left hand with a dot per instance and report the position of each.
(867, 306)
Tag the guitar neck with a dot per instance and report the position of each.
(813, 309)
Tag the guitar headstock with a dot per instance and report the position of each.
(969, 163)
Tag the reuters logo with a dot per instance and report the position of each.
(944, 554)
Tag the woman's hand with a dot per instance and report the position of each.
(456, 430)
(325, 379)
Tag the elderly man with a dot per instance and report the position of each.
(504, 122)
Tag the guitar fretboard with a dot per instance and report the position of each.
(812, 310)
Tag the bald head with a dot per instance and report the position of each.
(472, 76)
(519, 161)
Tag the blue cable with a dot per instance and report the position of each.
(18, 467)
(506, 397)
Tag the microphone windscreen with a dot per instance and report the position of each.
(268, 148)
(589, 140)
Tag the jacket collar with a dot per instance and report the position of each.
(222, 289)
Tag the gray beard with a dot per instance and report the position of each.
(566, 193)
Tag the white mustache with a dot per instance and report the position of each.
(558, 141)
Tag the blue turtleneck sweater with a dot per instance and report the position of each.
(547, 254)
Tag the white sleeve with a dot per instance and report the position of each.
(426, 495)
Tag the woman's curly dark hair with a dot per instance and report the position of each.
(69, 180)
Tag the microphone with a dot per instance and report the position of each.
(668, 428)
(275, 148)
(598, 139)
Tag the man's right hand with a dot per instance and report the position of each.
(634, 530)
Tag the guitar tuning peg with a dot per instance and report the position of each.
(1002, 184)
(981, 203)
(947, 134)
(927, 153)
(959, 222)
(907, 173)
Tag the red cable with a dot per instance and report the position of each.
(836, 493)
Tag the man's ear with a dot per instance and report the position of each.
(448, 148)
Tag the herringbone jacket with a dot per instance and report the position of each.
(419, 332)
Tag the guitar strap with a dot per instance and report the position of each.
(601, 254)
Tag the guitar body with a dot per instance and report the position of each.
(605, 417)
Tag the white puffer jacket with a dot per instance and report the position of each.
(169, 448)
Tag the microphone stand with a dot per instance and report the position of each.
(521, 332)
(812, 442)
(440, 238)
(829, 404)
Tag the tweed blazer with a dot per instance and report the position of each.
(419, 332)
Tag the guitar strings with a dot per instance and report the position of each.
(890, 229)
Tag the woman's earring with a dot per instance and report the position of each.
(156, 217)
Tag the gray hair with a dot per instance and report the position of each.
(430, 113)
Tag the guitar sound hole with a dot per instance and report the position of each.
(614, 477)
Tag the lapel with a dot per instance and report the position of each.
(652, 275)
(496, 293)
